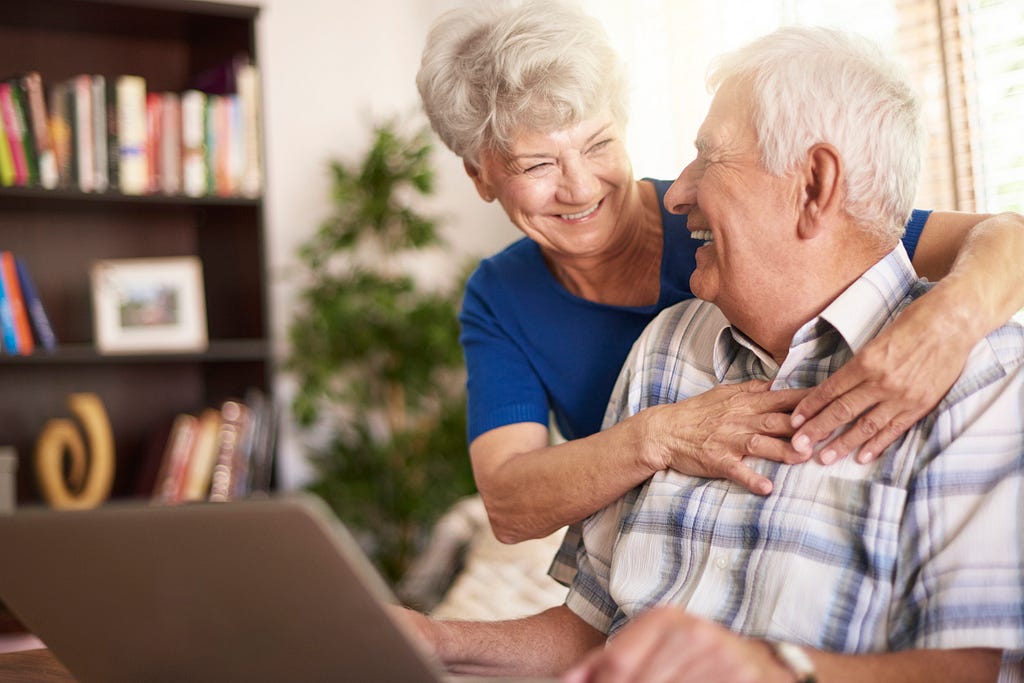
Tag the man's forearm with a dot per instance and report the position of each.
(544, 644)
(910, 666)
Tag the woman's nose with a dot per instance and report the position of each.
(579, 183)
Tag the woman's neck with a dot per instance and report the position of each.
(629, 272)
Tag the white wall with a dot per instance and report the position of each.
(331, 68)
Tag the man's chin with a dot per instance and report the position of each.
(702, 287)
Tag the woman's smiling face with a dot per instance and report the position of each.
(565, 189)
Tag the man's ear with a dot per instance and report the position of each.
(822, 176)
(483, 188)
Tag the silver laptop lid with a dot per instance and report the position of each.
(271, 590)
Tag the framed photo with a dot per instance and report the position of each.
(149, 304)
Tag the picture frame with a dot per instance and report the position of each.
(147, 305)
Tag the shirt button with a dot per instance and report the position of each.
(721, 562)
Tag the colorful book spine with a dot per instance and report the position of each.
(23, 343)
(193, 142)
(249, 101)
(12, 128)
(113, 144)
(24, 118)
(154, 134)
(6, 161)
(100, 163)
(8, 335)
(203, 457)
(34, 305)
(170, 144)
(84, 134)
(32, 86)
(60, 132)
(133, 171)
(211, 143)
(175, 460)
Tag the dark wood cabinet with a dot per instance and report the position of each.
(60, 233)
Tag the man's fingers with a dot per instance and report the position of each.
(753, 385)
(772, 448)
(749, 479)
(781, 400)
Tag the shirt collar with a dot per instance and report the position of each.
(872, 301)
(857, 314)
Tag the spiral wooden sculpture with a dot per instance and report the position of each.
(89, 475)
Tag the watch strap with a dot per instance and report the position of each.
(794, 658)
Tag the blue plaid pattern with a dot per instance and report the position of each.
(920, 549)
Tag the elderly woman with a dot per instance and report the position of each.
(533, 98)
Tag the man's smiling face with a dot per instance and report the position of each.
(741, 212)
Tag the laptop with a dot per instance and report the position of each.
(260, 590)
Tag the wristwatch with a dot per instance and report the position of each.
(794, 658)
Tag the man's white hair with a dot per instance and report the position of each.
(818, 85)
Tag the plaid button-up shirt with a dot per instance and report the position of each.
(920, 549)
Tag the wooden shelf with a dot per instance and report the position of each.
(59, 234)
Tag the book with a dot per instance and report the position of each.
(202, 458)
(32, 86)
(256, 473)
(24, 345)
(193, 142)
(133, 164)
(113, 145)
(36, 313)
(100, 163)
(248, 81)
(83, 132)
(211, 144)
(14, 133)
(154, 134)
(8, 335)
(24, 118)
(235, 417)
(221, 142)
(60, 132)
(170, 144)
(6, 162)
(174, 463)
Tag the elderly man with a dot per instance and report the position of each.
(907, 568)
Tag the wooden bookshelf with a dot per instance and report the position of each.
(60, 233)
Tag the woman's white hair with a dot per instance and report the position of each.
(818, 85)
(495, 68)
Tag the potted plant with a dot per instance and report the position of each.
(376, 356)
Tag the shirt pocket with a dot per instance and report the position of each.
(828, 576)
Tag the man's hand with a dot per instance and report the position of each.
(710, 434)
(665, 644)
(891, 383)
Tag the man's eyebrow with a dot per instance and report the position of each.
(702, 144)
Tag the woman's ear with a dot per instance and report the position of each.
(483, 188)
(822, 176)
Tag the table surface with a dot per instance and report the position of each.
(39, 666)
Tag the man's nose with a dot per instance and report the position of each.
(681, 196)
